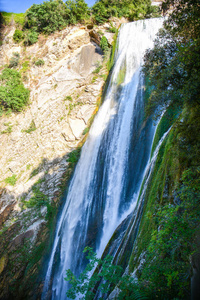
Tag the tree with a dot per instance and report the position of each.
(13, 94)
(46, 17)
(131, 9)
(173, 66)
(77, 11)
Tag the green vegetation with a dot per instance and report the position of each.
(30, 37)
(18, 35)
(46, 17)
(77, 11)
(69, 98)
(98, 69)
(8, 129)
(106, 274)
(121, 74)
(17, 18)
(85, 131)
(132, 10)
(74, 156)
(13, 94)
(39, 62)
(11, 180)
(51, 16)
(37, 200)
(104, 44)
(31, 128)
(14, 61)
(169, 230)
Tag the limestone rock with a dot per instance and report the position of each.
(95, 37)
(77, 126)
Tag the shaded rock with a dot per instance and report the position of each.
(87, 60)
(6, 212)
(3, 261)
(95, 37)
(90, 26)
(20, 239)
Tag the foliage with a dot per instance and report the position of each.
(169, 226)
(173, 66)
(55, 15)
(30, 37)
(46, 17)
(31, 128)
(11, 180)
(69, 98)
(133, 10)
(98, 69)
(14, 61)
(122, 73)
(106, 274)
(171, 246)
(8, 129)
(13, 94)
(74, 156)
(18, 35)
(39, 62)
(77, 11)
(38, 199)
(85, 131)
(104, 44)
(112, 28)
(17, 18)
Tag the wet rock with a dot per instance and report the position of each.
(20, 239)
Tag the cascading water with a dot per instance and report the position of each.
(105, 185)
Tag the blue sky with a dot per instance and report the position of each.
(20, 6)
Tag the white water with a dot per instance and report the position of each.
(96, 198)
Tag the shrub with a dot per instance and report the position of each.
(46, 17)
(39, 62)
(18, 35)
(8, 129)
(104, 44)
(14, 61)
(31, 38)
(13, 94)
(11, 180)
(103, 280)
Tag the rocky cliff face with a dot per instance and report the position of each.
(35, 146)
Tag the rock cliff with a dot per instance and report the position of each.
(37, 146)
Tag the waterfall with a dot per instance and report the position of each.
(107, 178)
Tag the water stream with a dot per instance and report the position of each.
(107, 178)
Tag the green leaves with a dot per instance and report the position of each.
(173, 66)
(133, 10)
(55, 15)
(13, 94)
(105, 277)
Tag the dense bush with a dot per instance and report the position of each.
(172, 226)
(77, 11)
(133, 10)
(13, 94)
(46, 17)
(31, 37)
(104, 44)
(18, 35)
(103, 279)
